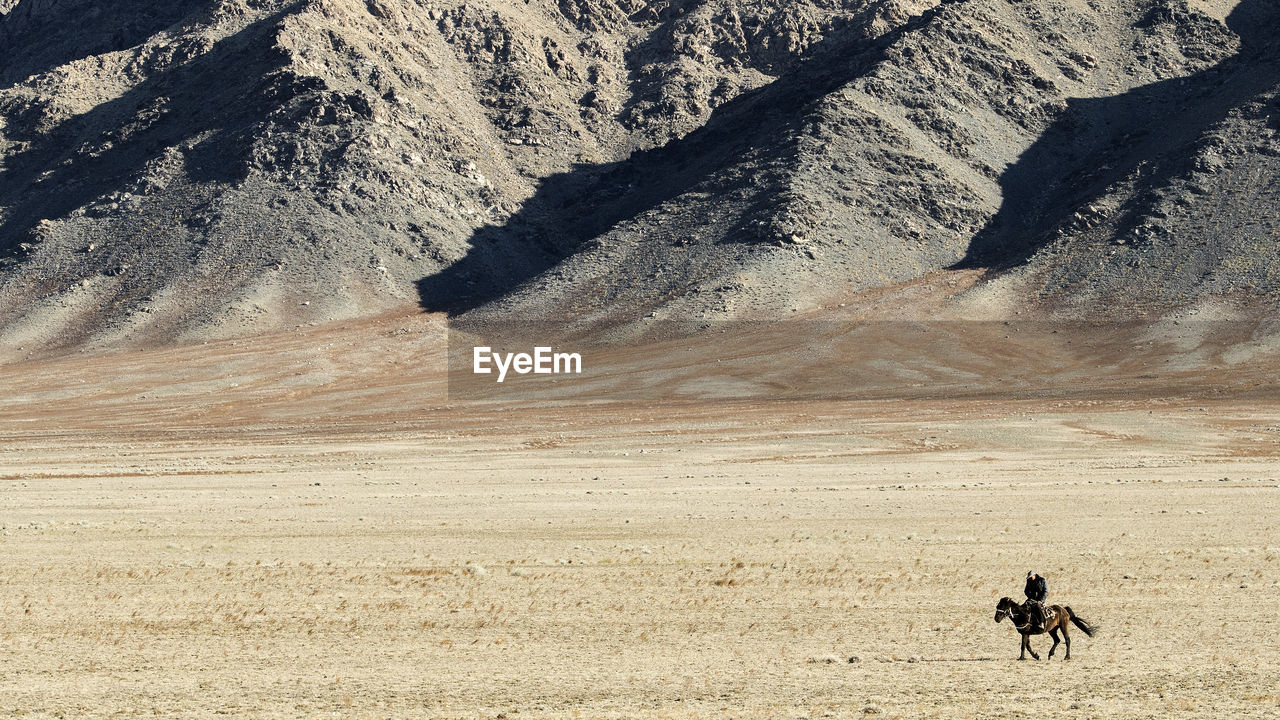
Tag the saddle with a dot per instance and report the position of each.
(1037, 613)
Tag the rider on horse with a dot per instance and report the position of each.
(1037, 590)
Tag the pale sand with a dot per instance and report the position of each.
(236, 545)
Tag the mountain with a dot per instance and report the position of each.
(209, 168)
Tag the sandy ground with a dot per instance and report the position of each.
(306, 525)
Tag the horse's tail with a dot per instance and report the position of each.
(1086, 627)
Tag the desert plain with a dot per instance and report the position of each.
(309, 525)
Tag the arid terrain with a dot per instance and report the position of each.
(881, 304)
(222, 168)
(307, 525)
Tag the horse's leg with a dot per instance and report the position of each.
(1066, 638)
(1023, 655)
(1053, 634)
(1031, 649)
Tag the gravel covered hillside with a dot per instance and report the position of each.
(210, 167)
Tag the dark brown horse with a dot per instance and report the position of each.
(1059, 617)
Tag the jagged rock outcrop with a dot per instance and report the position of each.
(219, 166)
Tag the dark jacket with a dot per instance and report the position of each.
(1037, 588)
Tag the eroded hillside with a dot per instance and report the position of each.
(214, 167)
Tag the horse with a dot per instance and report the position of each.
(1058, 617)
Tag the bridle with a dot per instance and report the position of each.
(1007, 612)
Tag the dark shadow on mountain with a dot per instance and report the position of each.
(36, 37)
(1142, 134)
(218, 96)
(646, 81)
(569, 209)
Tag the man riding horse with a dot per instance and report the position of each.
(1037, 590)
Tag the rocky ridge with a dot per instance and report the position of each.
(223, 166)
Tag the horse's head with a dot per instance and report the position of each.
(1004, 608)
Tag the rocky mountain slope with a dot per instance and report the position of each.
(211, 167)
